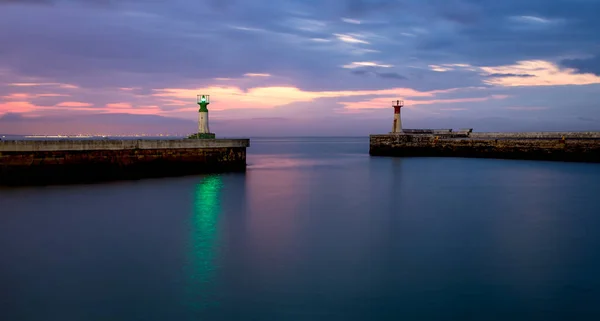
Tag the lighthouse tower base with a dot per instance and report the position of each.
(203, 131)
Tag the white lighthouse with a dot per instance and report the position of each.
(203, 130)
(397, 128)
(203, 101)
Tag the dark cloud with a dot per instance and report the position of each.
(589, 119)
(222, 5)
(179, 43)
(11, 117)
(27, 2)
(391, 75)
(364, 8)
(360, 72)
(591, 65)
(384, 75)
(510, 75)
(461, 12)
(102, 3)
(88, 48)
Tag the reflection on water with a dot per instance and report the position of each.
(292, 161)
(203, 244)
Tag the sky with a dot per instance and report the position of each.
(297, 67)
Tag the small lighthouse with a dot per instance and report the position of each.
(203, 130)
(397, 128)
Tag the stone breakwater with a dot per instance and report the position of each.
(552, 146)
(84, 161)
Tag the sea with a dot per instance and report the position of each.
(315, 229)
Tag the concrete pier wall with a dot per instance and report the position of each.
(537, 135)
(81, 161)
(87, 145)
(577, 147)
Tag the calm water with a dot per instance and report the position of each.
(315, 230)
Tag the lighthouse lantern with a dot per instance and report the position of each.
(203, 99)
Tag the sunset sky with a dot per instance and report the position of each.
(297, 67)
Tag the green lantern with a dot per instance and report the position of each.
(203, 101)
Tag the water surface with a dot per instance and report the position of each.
(314, 230)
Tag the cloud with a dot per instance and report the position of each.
(26, 1)
(350, 39)
(452, 67)
(73, 104)
(439, 68)
(385, 75)
(360, 72)
(533, 19)
(365, 64)
(320, 40)
(256, 75)
(270, 97)
(16, 96)
(11, 117)
(364, 8)
(352, 124)
(16, 107)
(116, 108)
(34, 84)
(526, 108)
(590, 119)
(539, 73)
(278, 58)
(390, 75)
(385, 102)
(509, 75)
(588, 65)
(352, 21)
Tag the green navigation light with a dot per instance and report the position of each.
(203, 101)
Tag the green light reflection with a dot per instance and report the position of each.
(201, 267)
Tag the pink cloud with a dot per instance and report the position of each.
(24, 96)
(73, 104)
(17, 107)
(176, 102)
(128, 108)
(38, 84)
(16, 96)
(118, 106)
(232, 97)
(51, 95)
(257, 75)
